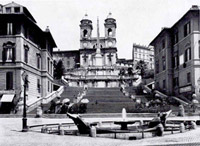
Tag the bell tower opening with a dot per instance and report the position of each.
(109, 32)
(85, 33)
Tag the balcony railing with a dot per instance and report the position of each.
(100, 77)
(45, 100)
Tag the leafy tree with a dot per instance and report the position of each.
(130, 71)
(122, 72)
(58, 69)
(142, 67)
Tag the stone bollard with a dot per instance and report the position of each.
(193, 125)
(44, 129)
(100, 124)
(181, 112)
(61, 130)
(93, 132)
(182, 128)
(38, 112)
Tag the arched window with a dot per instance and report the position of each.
(85, 33)
(109, 32)
(8, 51)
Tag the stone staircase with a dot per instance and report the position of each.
(108, 100)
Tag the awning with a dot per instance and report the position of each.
(7, 98)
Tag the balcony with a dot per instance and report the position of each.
(100, 77)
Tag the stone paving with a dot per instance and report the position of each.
(11, 135)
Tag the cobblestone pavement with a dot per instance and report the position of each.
(11, 135)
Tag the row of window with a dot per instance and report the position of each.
(178, 59)
(10, 83)
(187, 57)
(163, 64)
(176, 81)
(8, 54)
(9, 9)
(143, 51)
(141, 56)
(186, 31)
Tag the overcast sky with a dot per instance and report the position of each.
(138, 21)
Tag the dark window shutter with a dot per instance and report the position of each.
(4, 55)
(13, 51)
(185, 55)
(9, 80)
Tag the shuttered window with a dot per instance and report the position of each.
(9, 80)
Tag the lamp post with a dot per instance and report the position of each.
(24, 119)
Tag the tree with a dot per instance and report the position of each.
(58, 69)
(130, 71)
(141, 66)
(122, 72)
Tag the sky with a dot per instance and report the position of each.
(138, 21)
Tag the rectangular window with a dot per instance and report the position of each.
(9, 28)
(38, 85)
(164, 63)
(25, 55)
(52, 68)
(8, 10)
(175, 82)
(9, 55)
(48, 86)
(17, 9)
(187, 54)
(157, 66)
(199, 49)
(188, 77)
(175, 61)
(48, 64)
(163, 44)
(176, 37)
(186, 29)
(164, 86)
(9, 80)
(38, 60)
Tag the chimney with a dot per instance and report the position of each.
(47, 29)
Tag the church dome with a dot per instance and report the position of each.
(110, 16)
(85, 17)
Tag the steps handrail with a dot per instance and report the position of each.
(45, 99)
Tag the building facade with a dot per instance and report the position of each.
(24, 48)
(96, 63)
(177, 56)
(145, 53)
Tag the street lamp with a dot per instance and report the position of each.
(24, 119)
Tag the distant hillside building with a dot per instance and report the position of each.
(24, 48)
(144, 53)
(95, 64)
(177, 56)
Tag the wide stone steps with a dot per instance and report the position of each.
(107, 100)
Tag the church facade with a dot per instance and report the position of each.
(96, 63)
